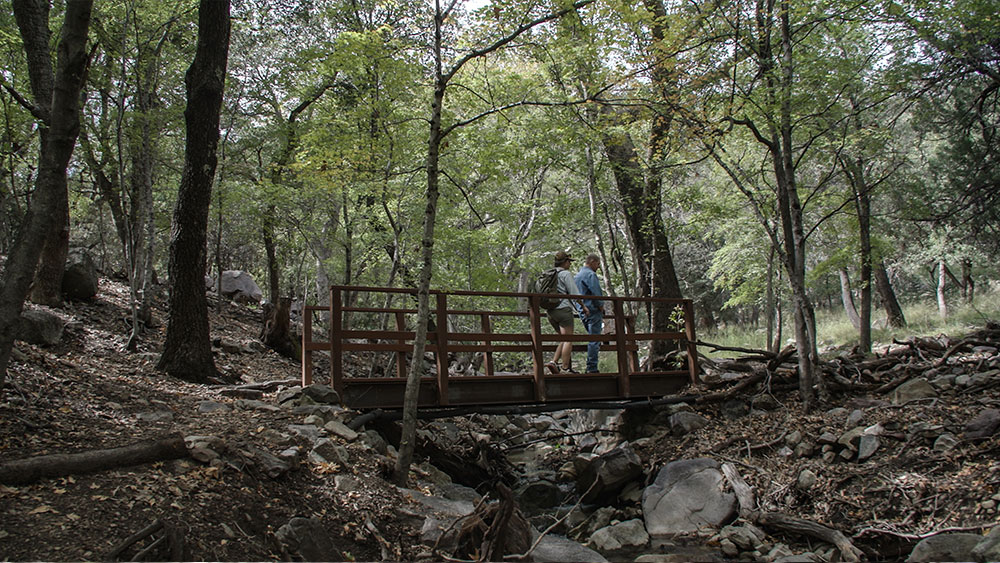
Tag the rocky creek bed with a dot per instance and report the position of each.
(900, 462)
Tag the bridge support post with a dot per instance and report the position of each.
(442, 349)
(307, 357)
(538, 360)
(624, 385)
(336, 341)
(692, 348)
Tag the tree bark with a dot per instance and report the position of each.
(942, 282)
(847, 297)
(56, 104)
(888, 297)
(187, 353)
(276, 333)
(23, 471)
(656, 274)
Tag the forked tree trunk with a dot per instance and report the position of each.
(187, 353)
(57, 98)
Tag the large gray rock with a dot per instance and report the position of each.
(945, 547)
(80, 277)
(604, 477)
(988, 548)
(308, 539)
(912, 390)
(38, 326)
(686, 496)
(984, 425)
(240, 286)
(682, 423)
(631, 533)
(557, 549)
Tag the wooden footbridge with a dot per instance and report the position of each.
(500, 333)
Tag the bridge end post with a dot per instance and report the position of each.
(442, 349)
(307, 359)
(538, 360)
(692, 348)
(624, 367)
(336, 342)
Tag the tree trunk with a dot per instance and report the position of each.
(656, 275)
(412, 393)
(57, 101)
(847, 297)
(888, 297)
(32, 18)
(941, 283)
(968, 285)
(47, 287)
(24, 471)
(863, 202)
(276, 333)
(187, 353)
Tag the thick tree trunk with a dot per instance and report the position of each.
(47, 287)
(888, 297)
(656, 275)
(187, 353)
(57, 101)
(847, 297)
(276, 333)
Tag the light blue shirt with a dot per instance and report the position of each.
(586, 280)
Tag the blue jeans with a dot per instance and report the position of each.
(594, 323)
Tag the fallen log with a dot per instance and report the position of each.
(784, 522)
(23, 471)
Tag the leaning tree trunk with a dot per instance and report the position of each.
(57, 99)
(888, 297)
(187, 353)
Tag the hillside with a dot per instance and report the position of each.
(882, 469)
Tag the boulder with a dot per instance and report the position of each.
(988, 548)
(912, 390)
(555, 549)
(323, 394)
(240, 286)
(687, 495)
(308, 539)
(39, 326)
(605, 476)
(80, 277)
(945, 547)
(682, 423)
(631, 533)
(984, 425)
(538, 495)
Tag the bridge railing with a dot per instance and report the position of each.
(507, 325)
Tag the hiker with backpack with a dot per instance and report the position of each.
(563, 313)
(588, 284)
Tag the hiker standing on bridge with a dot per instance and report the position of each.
(588, 284)
(562, 316)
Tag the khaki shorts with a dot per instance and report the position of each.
(561, 318)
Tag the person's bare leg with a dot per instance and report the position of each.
(567, 348)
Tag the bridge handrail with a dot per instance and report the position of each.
(623, 341)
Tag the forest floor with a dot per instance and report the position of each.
(87, 393)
